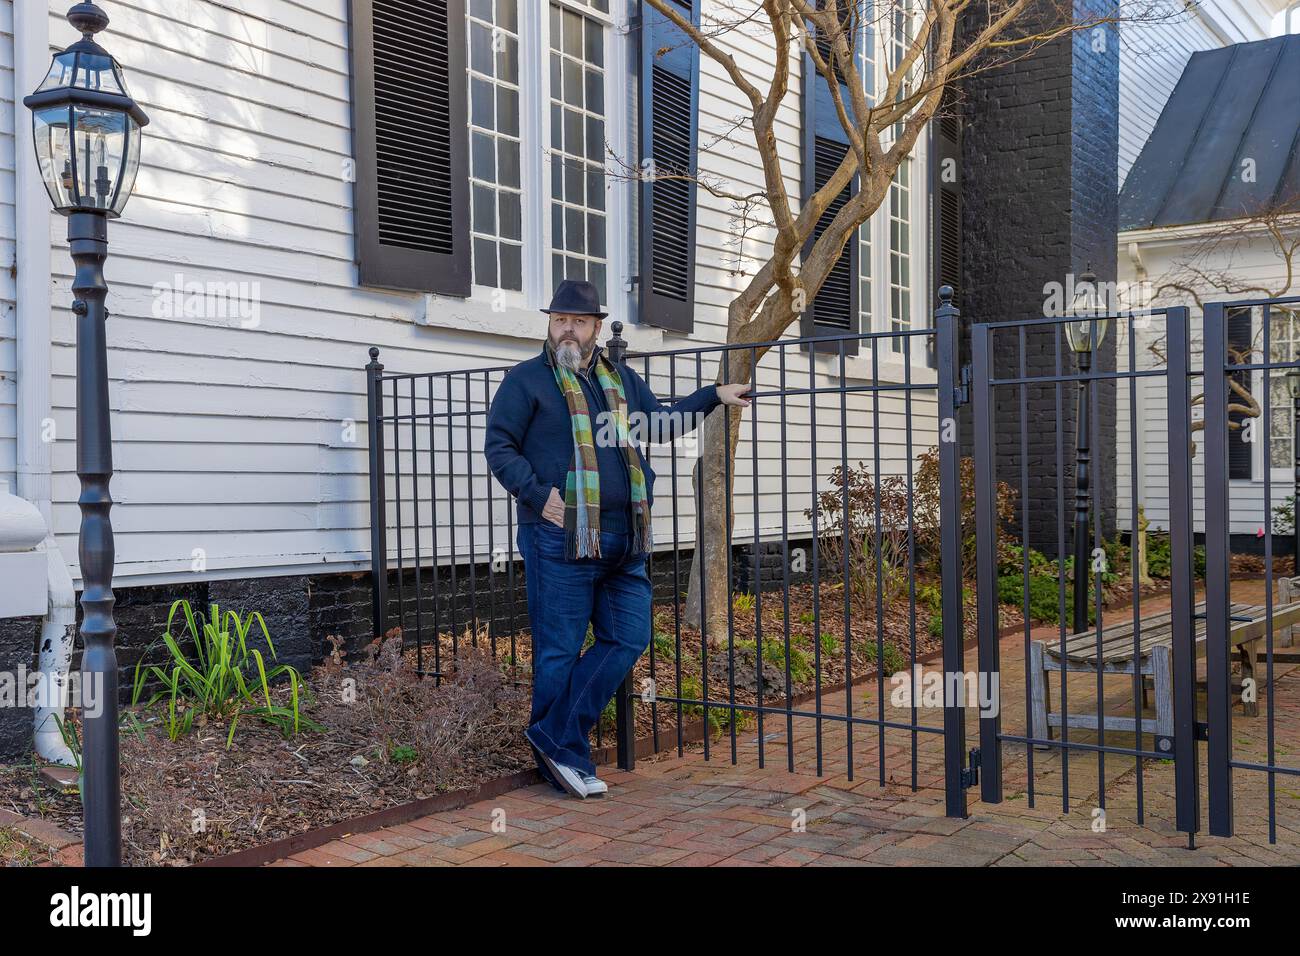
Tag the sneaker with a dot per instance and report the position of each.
(595, 786)
(568, 777)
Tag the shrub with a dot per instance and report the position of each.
(871, 519)
(1160, 558)
(927, 513)
(1044, 597)
(801, 668)
(223, 680)
(895, 660)
(692, 689)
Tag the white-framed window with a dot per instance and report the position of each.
(576, 99)
(1284, 346)
(893, 243)
(495, 150)
(548, 115)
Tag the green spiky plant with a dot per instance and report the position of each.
(227, 680)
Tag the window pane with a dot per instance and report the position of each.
(480, 47)
(483, 164)
(485, 213)
(511, 216)
(480, 101)
(508, 15)
(485, 261)
(572, 34)
(508, 60)
(508, 162)
(507, 111)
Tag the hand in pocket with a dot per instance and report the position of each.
(554, 510)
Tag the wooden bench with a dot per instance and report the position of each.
(1152, 657)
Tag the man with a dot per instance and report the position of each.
(558, 441)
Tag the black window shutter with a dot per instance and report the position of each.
(834, 310)
(670, 83)
(947, 193)
(410, 144)
(1240, 337)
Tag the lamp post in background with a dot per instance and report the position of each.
(1084, 333)
(86, 129)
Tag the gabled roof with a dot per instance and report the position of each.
(1225, 145)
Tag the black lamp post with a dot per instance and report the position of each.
(86, 129)
(1084, 335)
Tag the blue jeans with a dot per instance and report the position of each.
(612, 593)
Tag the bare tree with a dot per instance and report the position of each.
(1211, 268)
(947, 40)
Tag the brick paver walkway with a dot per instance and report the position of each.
(684, 811)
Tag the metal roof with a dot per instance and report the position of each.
(1226, 144)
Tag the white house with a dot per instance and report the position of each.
(296, 206)
(240, 313)
(1209, 212)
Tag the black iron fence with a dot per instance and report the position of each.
(859, 535)
(1186, 442)
(1269, 363)
(835, 565)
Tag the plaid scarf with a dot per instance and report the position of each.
(582, 524)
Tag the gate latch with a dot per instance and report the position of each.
(971, 775)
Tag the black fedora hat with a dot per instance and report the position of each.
(576, 297)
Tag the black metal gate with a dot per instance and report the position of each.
(1025, 381)
(836, 585)
(1269, 356)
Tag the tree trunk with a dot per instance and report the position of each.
(717, 461)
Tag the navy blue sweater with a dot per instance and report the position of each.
(529, 442)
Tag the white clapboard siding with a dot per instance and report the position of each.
(1251, 264)
(240, 440)
(8, 255)
(1156, 41)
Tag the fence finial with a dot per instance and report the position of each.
(945, 295)
(616, 346)
(374, 354)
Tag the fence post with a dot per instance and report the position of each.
(1181, 583)
(948, 332)
(624, 724)
(986, 562)
(378, 513)
(1218, 701)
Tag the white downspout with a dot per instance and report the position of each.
(32, 322)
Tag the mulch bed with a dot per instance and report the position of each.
(194, 799)
(392, 738)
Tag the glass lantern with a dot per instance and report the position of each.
(85, 125)
(1085, 333)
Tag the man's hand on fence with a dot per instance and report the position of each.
(554, 510)
(734, 395)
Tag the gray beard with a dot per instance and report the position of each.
(569, 355)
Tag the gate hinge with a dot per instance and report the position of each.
(971, 775)
(961, 396)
